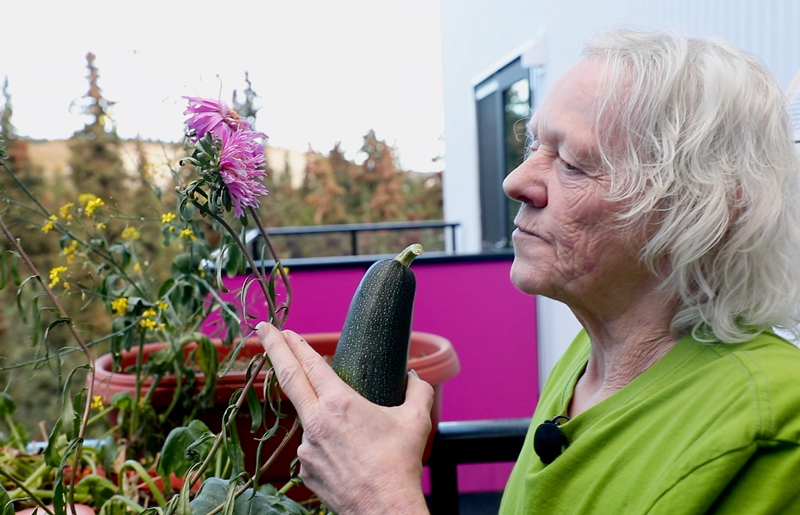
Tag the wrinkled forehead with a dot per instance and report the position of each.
(588, 101)
(570, 110)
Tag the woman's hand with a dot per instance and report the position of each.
(358, 457)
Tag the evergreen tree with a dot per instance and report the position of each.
(247, 109)
(95, 160)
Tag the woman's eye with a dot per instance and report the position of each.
(568, 167)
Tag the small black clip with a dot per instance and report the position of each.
(549, 440)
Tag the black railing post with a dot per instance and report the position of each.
(474, 441)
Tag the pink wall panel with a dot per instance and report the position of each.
(472, 303)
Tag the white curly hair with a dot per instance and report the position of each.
(696, 136)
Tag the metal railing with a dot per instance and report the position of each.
(474, 441)
(354, 230)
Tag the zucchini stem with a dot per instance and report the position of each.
(408, 255)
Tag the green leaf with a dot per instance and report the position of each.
(51, 456)
(59, 491)
(165, 287)
(98, 488)
(124, 254)
(182, 505)
(7, 405)
(8, 268)
(206, 358)
(69, 416)
(55, 323)
(264, 501)
(218, 267)
(236, 261)
(231, 434)
(255, 407)
(6, 505)
(187, 209)
(174, 458)
(122, 400)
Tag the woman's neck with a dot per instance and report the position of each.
(622, 350)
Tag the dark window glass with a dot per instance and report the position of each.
(503, 104)
(517, 111)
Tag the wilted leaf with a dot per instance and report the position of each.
(173, 453)
(98, 488)
(215, 492)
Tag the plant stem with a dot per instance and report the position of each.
(239, 243)
(271, 460)
(274, 253)
(130, 502)
(17, 438)
(247, 484)
(295, 481)
(144, 476)
(21, 487)
(39, 472)
(239, 403)
(78, 338)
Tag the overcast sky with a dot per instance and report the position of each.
(325, 70)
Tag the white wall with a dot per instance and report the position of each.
(479, 36)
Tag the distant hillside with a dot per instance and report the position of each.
(53, 158)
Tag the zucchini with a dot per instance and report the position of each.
(372, 353)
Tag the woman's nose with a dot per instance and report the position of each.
(525, 185)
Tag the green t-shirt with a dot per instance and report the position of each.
(707, 428)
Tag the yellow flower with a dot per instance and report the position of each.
(167, 218)
(160, 304)
(120, 305)
(149, 312)
(50, 224)
(161, 326)
(97, 402)
(147, 323)
(137, 267)
(85, 198)
(55, 275)
(64, 211)
(100, 225)
(66, 285)
(72, 247)
(188, 234)
(131, 233)
(93, 205)
(69, 251)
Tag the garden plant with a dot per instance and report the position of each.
(120, 454)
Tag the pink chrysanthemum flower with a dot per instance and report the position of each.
(241, 167)
(212, 115)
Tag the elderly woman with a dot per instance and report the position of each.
(660, 203)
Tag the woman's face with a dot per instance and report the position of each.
(567, 245)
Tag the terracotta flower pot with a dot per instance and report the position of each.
(80, 509)
(430, 355)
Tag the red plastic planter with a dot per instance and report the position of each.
(431, 356)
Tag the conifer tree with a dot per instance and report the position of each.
(95, 160)
(246, 109)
